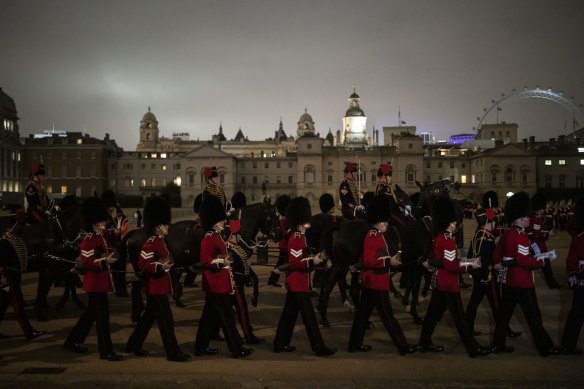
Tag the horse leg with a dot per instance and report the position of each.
(137, 300)
(18, 304)
(74, 280)
(256, 289)
(333, 277)
(415, 292)
(177, 289)
(43, 288)
(396, 293)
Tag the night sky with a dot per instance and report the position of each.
(98, 65)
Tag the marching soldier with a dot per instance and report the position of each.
(538, 233)
(36, 195)
(154, 263)
(575, 269)
(212, 188)
(298, 284)
(281, 205)
(399, 216)
(518, 285)
(94, 261)
(446, 293)
(349, 192)
(375, 281)
(218, 284)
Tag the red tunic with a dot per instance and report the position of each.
(517, 247)
(93, 261)
(298, 279)
(537, 232)
(374, 275)
(154, 253)
(212, 247)
(575, 259)
(445, 251)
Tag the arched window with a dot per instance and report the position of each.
(509, 175)
(410, 174)
(309, 174)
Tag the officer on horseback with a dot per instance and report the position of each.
(400, 215)
(349, 192)
(212, 188)
(37, 201)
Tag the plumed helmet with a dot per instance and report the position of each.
(109, 198)
(211, 172)
(326, 202)
(238, 200)
(443, 213)
(490, 200)
(197, 203)
(282, 203)
(517, 206)
(378, 209)
(579, 213)
(212, 211)
(38, 169)
(93, 211)
(350, 167)
(367, 198)
(385, 169)
(298, 212)
(156, 212)
(483, 216)
(538, 201)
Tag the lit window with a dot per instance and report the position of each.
(562, 162)
(582, 162)
(163, 167)
(63, 188)
(548, 162)
(49, 189)
(581, 149)
(163, 155)
(79, 141)
(473, 179)
(463, 179)
(153, 155)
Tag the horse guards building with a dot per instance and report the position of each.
(304, 163)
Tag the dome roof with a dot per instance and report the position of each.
(354, 95)
(355, 111)
(149, 116)
(305, 118)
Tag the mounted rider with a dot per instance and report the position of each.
(349, 192)
(400, 214)
(36, 200)
(212, 188)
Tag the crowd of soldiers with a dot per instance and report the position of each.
(500, 260)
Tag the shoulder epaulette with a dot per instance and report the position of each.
(209, 233)
(151, 238)
(373, 232)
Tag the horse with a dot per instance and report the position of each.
(51, 247)
(184, 244)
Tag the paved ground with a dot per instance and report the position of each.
(44, 362)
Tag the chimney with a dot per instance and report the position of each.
(499, 143)
(561, 138)
(525, 143)
(532, 139)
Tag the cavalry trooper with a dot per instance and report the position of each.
(518, 286)
(575, 269)
(113, 236)
(446, 293)
(95, 260)
(298, 294)
(400, 216)
(349, 192)
(375, 281)
(538, 232)
(212, 188)
(37, 201)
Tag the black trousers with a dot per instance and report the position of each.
(481, 289)
(295, 303)
(527, 300)
(97, 312)
(574, 320)
(157, 308)
(14, 297)
(371, 298)
(218, 311)
(439, 302)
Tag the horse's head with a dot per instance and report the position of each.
(259, 217)
(66, 220)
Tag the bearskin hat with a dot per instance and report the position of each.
(579, 213)
(238, 200)
(298, 212)
(443, 213)
(93, 211)
(350, 167)
(490, 200)
(282, 203)
(197, 203)
(156, 212)
(326, 202)
(109, 198)
(378, 209)
(538, 202)
(211, 172)
(517, 206)
(385, 169)
(212, 211)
